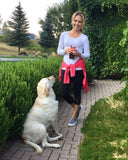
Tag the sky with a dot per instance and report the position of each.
(34, 9)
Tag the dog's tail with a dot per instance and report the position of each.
(34, 145)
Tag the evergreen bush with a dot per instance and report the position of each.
(123, 43)
(4, 122)
(17, 98)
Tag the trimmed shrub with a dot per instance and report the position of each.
(4, 122)
(17, 100)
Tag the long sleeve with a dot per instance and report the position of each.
(85, 52)
(60, 49)
(81, 44)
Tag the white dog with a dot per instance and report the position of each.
(42, 115)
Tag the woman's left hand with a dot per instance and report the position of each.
(76, 53)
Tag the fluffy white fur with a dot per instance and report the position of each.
(42, 115)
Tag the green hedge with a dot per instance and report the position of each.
(18, 82)
(105, 21)
(123, 94)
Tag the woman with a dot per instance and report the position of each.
(74, 47)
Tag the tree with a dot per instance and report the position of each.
(5, 28)
(0, 23)
(61, 16)
(46, 36)
(0, 19)
(5, 32)
(18, 35)
(73, 6)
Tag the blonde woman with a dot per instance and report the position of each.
(74, 47)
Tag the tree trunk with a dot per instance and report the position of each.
(18, 50)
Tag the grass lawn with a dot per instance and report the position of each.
(8, 50)
(106, 131)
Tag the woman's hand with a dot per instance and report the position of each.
(68, 51)
(76, 53)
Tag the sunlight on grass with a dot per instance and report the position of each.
(8, 50)
(105, 131)
(115, 104)
(116, 156)
(121, 145)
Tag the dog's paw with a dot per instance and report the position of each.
(60, 135)
(57, 146)
(39, 151)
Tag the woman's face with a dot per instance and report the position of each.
(77, 23)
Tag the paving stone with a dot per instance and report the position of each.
(25, 157)
(18, 154)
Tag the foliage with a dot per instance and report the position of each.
(5, 28)
(0, 21)
(124, 93)
(58, 20)
(115, 54)
(46, 36)
(105, 131)
(4, 122)
(124, 40)
(17, 36)
(5, 32)
(89, 71)
(2, 39)
(112, 70)
(16, 95)
(73, 6)
(61, 17)
(104, 23)
(104, 4)
(34, 47)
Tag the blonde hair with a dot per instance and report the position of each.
(80, 13)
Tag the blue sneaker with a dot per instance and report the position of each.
(72, 122)
(78, 114)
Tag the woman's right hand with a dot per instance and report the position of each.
(67, 51)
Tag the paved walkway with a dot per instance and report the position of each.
(16, 59)
(16, 150)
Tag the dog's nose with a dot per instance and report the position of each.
(52, 78)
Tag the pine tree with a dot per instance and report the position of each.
(5, 28)
(18, 35)
(0, 23)
(5, 32)
(46, 36)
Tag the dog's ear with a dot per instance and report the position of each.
(42, 89)
(45, 90)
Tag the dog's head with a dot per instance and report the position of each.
(44, 86)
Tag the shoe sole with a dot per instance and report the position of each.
(72, 125)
